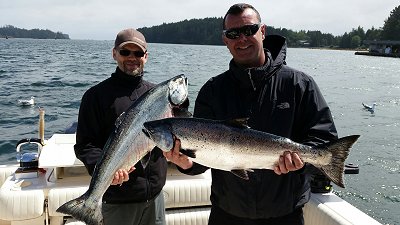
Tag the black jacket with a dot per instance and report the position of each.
(277, 99)
(100, 107)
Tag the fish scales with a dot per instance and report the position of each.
(126, 145)
(242, 147)
(232, 146)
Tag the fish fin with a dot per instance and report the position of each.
(239, 122)
(80, 210)
(241, 173)
(340, 150)
(188, 152)
(181, 112)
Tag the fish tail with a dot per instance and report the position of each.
(80, 210)
(340, 150)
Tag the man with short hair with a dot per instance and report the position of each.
(135, 196)
(277, 99)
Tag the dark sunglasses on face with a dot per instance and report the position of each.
(247, 30)
(126, 52)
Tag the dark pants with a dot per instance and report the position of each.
(143, 213)
(220, 217)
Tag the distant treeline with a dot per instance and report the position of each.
(9, 31)
(208, 31)
(195, 31)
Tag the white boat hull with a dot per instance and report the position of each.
(34, 201)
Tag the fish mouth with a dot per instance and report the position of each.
(178, 90)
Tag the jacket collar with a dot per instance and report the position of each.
(126, 79)
(275, 50)
(248, 77)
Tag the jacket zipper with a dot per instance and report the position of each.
(262, 93)
(251, 80)
(147, 179)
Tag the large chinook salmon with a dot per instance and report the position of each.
(127, 145)
(232, 146)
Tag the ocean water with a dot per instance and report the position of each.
(57, 72)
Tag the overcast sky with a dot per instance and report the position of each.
(102, 19)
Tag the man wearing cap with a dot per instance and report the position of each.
(135, 196)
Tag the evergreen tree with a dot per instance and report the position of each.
(373, 34)
(345, 41)
(355, 41)
(358, 32)
(391, 28)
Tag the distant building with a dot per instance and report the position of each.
(382, 48)
(303, 43)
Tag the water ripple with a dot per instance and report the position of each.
(58, 72)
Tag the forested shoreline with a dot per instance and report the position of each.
(9, 31)
(208, 31)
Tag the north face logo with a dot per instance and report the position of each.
(283, 105)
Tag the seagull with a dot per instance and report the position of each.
(27, 102)
(369, 108)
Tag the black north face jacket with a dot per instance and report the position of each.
(277, 99)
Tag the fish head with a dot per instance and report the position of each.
(178, 90)
(159, 131)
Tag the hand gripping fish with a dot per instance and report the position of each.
(127, 145)
(232, 146)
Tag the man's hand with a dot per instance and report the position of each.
(121, 176)
(176, 157)
(288, 161)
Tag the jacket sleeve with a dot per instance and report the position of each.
(317, 125)
(88, 148)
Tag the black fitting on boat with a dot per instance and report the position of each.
(30, 159)
(320, 184)
(350, 168)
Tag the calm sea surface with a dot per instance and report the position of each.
(57, 72)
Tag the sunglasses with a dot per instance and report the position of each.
(247, 30)
(126, 52)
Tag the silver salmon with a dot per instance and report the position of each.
(233, 146)
(127, 145)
